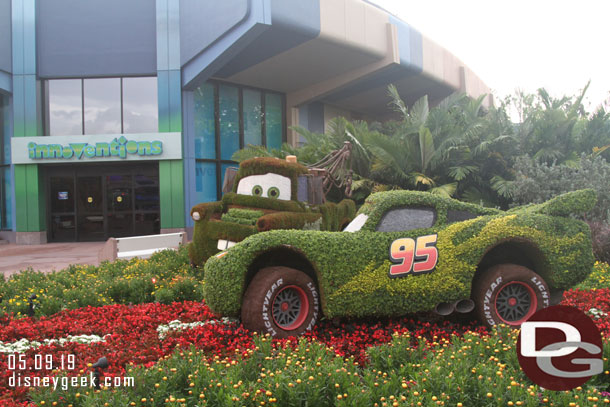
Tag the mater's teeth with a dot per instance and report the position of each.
(222, 244)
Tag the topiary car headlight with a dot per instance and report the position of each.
(196, 216)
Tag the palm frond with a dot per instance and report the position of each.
(502, 186)
(459, 173)
(397, 103)
(447, 190)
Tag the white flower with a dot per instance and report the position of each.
(176, 325)
(23, 344)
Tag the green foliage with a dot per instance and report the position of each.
(352, 268)
(120, 282)
(251, 151)
(599, 277)
(472, 370)
(241, 216)
(537, 182)
(286, 220)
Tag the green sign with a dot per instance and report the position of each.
(119, 147)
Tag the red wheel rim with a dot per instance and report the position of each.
(290, 307)
(515, 303)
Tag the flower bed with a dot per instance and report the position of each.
(165, 277)
(132, 336)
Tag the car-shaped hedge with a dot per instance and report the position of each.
(266, 193)
(406, 252)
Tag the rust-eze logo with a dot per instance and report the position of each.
(560, 348)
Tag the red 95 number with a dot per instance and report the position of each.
(413, 256)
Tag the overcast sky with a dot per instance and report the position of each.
(558, 45)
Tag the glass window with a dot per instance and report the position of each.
(205, 181)
(230, 116)
(228, 105)
(111, 106)
(273, 120)
(140, 111)
(252, 117)
(401, 219)
(205, 133)
(65, 107)
(102, 106)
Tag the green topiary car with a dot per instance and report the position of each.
(406, 252)
(267, 193)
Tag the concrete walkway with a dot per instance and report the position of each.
(47, 257)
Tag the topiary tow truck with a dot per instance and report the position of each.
(267, 193)
(406, 252)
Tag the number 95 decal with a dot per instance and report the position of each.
(413, 256)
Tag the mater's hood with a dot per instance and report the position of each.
(575, 202)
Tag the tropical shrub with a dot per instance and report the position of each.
(537, 182)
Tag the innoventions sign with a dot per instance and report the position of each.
(95, 148)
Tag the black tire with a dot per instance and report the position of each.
(509, 294)
(280, 301)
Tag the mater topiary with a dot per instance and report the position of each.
(238, 216)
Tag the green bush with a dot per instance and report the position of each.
(165, 277)
(537, 182)
(599, 277)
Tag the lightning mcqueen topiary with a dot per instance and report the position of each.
(406, 252)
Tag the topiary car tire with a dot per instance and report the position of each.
(509, 294)
(281, 302)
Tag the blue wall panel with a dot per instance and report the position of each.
(5, 36)
(218, 53)
(6, 82)
(293, 22)
(96, 37)
(203, 22)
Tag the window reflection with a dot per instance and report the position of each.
(102, 106)
(273, 120)
(252, 117)
(140, 113)
(228, 103)
(205, 133)
(226, 116)
(65, 107)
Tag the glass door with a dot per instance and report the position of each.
(90, 208)
(95, 202)
(62, 219)
(119, 205)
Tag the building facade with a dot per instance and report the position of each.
(116, 117)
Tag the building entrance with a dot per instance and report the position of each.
(93, 203)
